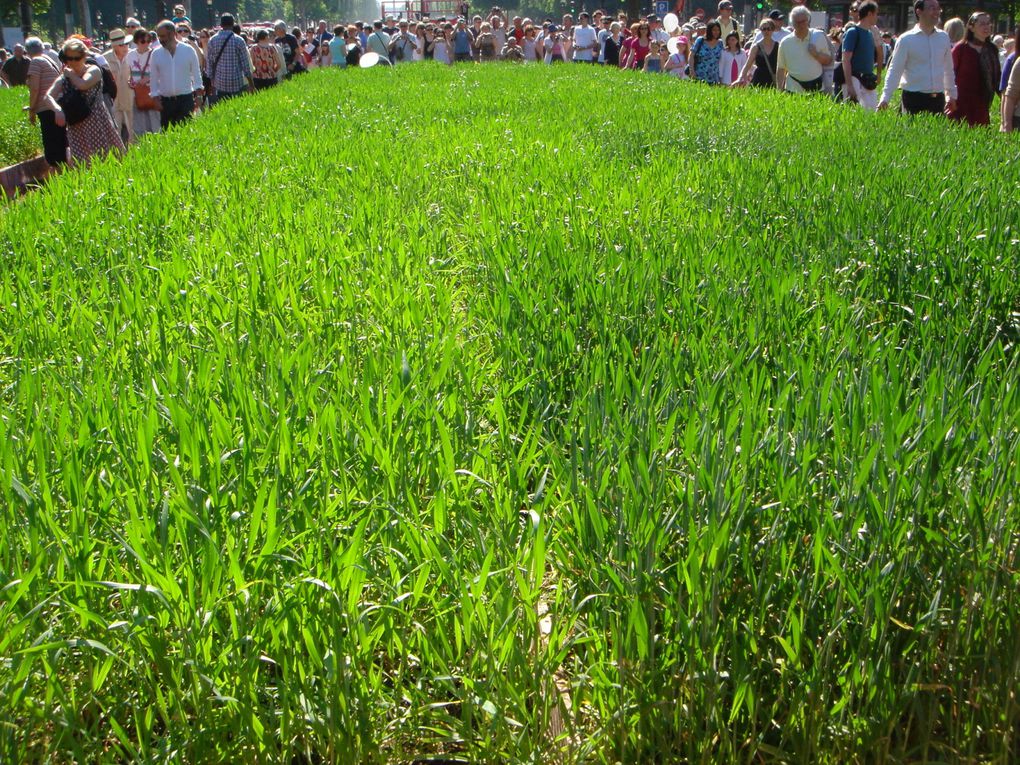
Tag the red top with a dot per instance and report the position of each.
(972, 100)
(640, 51)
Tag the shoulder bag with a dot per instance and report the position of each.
(768, 62)
(73, 104)
(223, 49)
(144, 101)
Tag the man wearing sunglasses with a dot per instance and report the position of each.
(176, 77)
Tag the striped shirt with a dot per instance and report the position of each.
(42, 73)
(230, 68)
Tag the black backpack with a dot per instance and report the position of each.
(109, 83)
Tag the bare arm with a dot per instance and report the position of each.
(92, 76)
(1008, 107)
(745, 73)
(823, 57)
(848, 77)
(892, 77)
(879, 50)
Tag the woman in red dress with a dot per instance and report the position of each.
(976, 63)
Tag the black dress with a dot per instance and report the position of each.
(765, 66)
(612, 55)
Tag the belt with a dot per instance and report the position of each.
(922, 93)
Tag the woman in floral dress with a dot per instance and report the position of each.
(96, 134)
(706, 54)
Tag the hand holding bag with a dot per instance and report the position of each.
(73, 104)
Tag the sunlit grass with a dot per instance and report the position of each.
(491, 412)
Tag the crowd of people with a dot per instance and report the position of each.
(89, 101)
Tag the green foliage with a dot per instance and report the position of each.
(18, 139)
(482, 422)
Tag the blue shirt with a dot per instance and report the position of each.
(860, 42)
(1007, 67)
(338, 51)
(461, 42)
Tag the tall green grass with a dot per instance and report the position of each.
(527, 415)
(18, 139)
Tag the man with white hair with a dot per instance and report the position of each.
(42, 73)
(289, 45)
(802, 55)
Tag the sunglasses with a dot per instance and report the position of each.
(73, 58)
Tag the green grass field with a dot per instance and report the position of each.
(533, 415)
(18, 139)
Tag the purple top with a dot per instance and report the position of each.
(1007, 67)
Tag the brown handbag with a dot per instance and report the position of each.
(144, 102)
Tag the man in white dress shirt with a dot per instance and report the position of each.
(922, 64)
(176, 76)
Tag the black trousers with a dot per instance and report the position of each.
(219, 97)
(176, 109)
(923, 103)
(54, 138)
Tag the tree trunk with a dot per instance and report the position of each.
(85, 17)
(25, 6)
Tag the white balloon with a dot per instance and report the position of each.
(369, 59)
(673, 46)
(670, 23)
